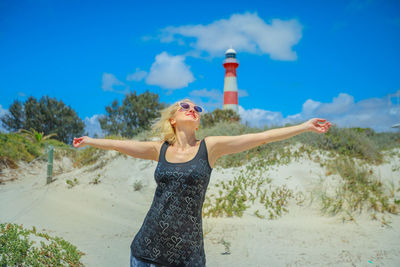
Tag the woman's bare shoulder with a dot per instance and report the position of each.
(156, 144)
(210, 140)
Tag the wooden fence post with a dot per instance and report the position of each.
(50, 165)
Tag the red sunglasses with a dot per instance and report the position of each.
(186, 106)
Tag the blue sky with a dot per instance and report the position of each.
(338, 60)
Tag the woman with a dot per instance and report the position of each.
(171, 234)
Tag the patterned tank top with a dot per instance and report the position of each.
(172, 232)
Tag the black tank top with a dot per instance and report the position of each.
(172, 232)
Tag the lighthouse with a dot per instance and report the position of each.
(230, 83)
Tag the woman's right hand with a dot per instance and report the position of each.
(81, 141)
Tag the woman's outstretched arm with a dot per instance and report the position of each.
(223, 145)
(136, 149)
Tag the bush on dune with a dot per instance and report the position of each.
(14, 147)
(358, 190)
(17, 248)
(351, 142)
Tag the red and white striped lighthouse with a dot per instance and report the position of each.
(230, 84)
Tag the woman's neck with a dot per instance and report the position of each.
(185, 141)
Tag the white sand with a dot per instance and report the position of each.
(101, 220)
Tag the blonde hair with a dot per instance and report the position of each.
(162, 126)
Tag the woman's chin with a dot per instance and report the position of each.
(192, 118)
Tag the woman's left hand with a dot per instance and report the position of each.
(314, 126)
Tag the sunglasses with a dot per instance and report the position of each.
(186, 106)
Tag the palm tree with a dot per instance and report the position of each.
(35, 136)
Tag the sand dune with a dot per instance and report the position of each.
(102, 219)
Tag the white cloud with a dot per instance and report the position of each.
(310, 106)
(169, 72)
(244, 32)
(376, 113)
(211, 99)
(208, 99)
(258, 117)
(137, 76)
(110, 82)
(341, 104)
(213, 93)
(3, 112)
(92, 126)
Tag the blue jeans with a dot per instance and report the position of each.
(135, 262)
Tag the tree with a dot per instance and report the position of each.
(14, 120)
(219, 115)
(133, 116)
(45, 116)
(112, 123)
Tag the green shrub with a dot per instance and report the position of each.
(14, 147)
(137, 185)
(351, 142)
(16, 248)
(224, 128)
(386, 141)
(88, 156)
(95, 180)
(359, 189)
(219, 115)
(237, 195)
(72, 183)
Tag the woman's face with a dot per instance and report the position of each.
(189, 116)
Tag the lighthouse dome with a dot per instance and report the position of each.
(230, 51)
